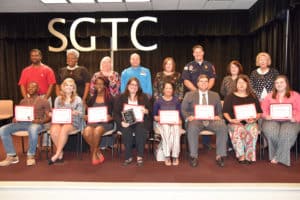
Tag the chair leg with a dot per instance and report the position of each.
(119, 146)
(23, 148)
(260, 146)
(186, 146)
(296, 149)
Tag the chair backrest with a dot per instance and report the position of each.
(6, 109)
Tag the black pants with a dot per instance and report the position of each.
(137, 132)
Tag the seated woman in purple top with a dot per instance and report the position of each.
(169, 132)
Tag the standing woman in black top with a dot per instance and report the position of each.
(93, 132)
(133, 95)
(78, 73)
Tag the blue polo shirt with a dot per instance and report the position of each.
(142, 74)
(193, 69)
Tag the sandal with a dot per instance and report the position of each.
(168, 161)
(175, 161)
(127, 162)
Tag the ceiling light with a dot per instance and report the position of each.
(110, 1)
(129, 1)
(54, 1)
(82, 1)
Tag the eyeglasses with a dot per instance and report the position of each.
(132, 84)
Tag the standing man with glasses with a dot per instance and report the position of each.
(204, 96)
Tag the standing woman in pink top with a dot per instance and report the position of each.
(281, 134)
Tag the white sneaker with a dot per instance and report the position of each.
(9, 160)
(30, 161)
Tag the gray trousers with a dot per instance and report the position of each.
(281, 137)
(217, 126)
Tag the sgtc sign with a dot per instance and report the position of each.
(92, 46)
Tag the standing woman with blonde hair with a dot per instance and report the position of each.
(59, 133)
(262, 78)
(107, 72)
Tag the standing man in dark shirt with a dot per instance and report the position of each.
(191, 73)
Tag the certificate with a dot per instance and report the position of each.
(137, 110)
(246, 111)
(205, 112)
(168, 117)
(61, 116)
(97, 114)
(24, 113)
(281, 111)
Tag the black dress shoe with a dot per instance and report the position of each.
(220, 162)
(193, 162)
(244, 162)
(50, 162)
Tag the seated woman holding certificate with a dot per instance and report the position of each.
(166, 111)
(66, 117)
(132, 112)
(242, 110)
(99, 118)
(281, 124)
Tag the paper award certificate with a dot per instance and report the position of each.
(281, 111)
(61, 116)
(137, 110)
(246, 111)
(205, 112)
(97, 114)
(168, 117)
(24, 113)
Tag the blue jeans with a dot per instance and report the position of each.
(6, 132)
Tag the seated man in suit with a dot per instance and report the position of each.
(203, 96)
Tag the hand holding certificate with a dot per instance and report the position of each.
(133, 113)
(281, 111)
(204, 112)
(24, 113)
(97, 114)
(169, 117)
(244, 112)
(61, 116)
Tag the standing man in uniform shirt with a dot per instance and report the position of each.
(141, 73)
(191, 73)
(39, 73)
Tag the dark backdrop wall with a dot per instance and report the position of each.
(226, 35)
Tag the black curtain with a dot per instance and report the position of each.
(294, 48)
(226, 35)
(175, 34)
